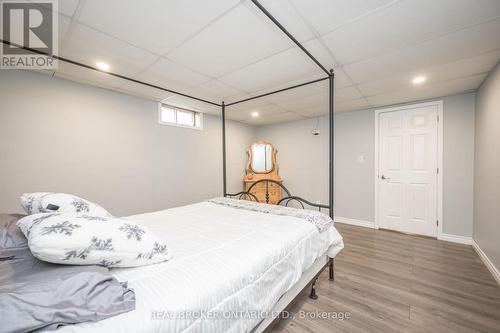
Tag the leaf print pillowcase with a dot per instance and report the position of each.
(81, 239)
(48, 202)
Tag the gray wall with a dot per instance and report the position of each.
(57, 135)
(302, 157)
(487, 168)
(458, 164)
(303, 160)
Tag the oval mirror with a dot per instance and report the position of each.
(262, 158)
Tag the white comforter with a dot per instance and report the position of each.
(224, 260)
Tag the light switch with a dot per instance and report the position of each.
(361, 159)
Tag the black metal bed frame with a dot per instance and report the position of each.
(286, 199)
(330, 77)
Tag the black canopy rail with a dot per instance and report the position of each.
(278, 91)
(282, 28)
(76, 63)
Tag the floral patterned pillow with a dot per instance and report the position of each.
(81, 239)
(47, 202)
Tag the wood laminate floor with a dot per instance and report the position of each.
(391, 282)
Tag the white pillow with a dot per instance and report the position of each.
(80, 239)
(47, 202)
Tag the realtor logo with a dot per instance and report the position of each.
(29, 26)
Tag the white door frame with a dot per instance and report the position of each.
(439, 105)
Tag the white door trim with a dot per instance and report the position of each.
(439, 105)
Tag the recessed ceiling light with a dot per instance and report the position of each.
(255, 114)
(102, 66)
(419, 80)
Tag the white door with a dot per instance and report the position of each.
(407, 170)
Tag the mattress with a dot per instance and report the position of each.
(229, 268)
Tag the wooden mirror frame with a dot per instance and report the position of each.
(275, 167)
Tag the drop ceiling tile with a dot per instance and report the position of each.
(274, 118)
(238, 39)
(348, 93)
(459, 45)
(218, 91)
(404, 24)
(285, 12)
(311, 96)
(341, 78)
(89, 46)
(313, 112)
(285, 67)
(141, 90)
(167, 74)
(299, 93)
(326, 15)
(158, 25)
(66, 7)
(428, 91)
(308, 102)
(445, 72)
(351, 105)
(41, 71)
(244, 113)
(87, 76)
(191, 104)
(341, 81)
(253, 105)
(63, 25)
(321, 52)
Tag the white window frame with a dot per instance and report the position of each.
(160, 105)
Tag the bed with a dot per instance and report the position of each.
(230, 270)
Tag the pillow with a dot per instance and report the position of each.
(46, 202)
(81, 239)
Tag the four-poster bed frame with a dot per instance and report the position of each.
(313, 273)
(288, 198)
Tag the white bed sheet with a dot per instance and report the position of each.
(224, 260)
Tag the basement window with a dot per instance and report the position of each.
(174, 116)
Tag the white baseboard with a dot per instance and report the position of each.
(369, 224)
(359, 223)
(491, 267)
(455, 239)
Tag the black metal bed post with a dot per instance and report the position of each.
(331, 153)
(224, 185)
(331, 145)
(331, 77)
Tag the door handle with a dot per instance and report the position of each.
(384, 177)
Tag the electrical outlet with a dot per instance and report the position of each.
(361, 159)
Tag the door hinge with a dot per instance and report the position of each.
(437, 171)
(438, 118)
(437, 222)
